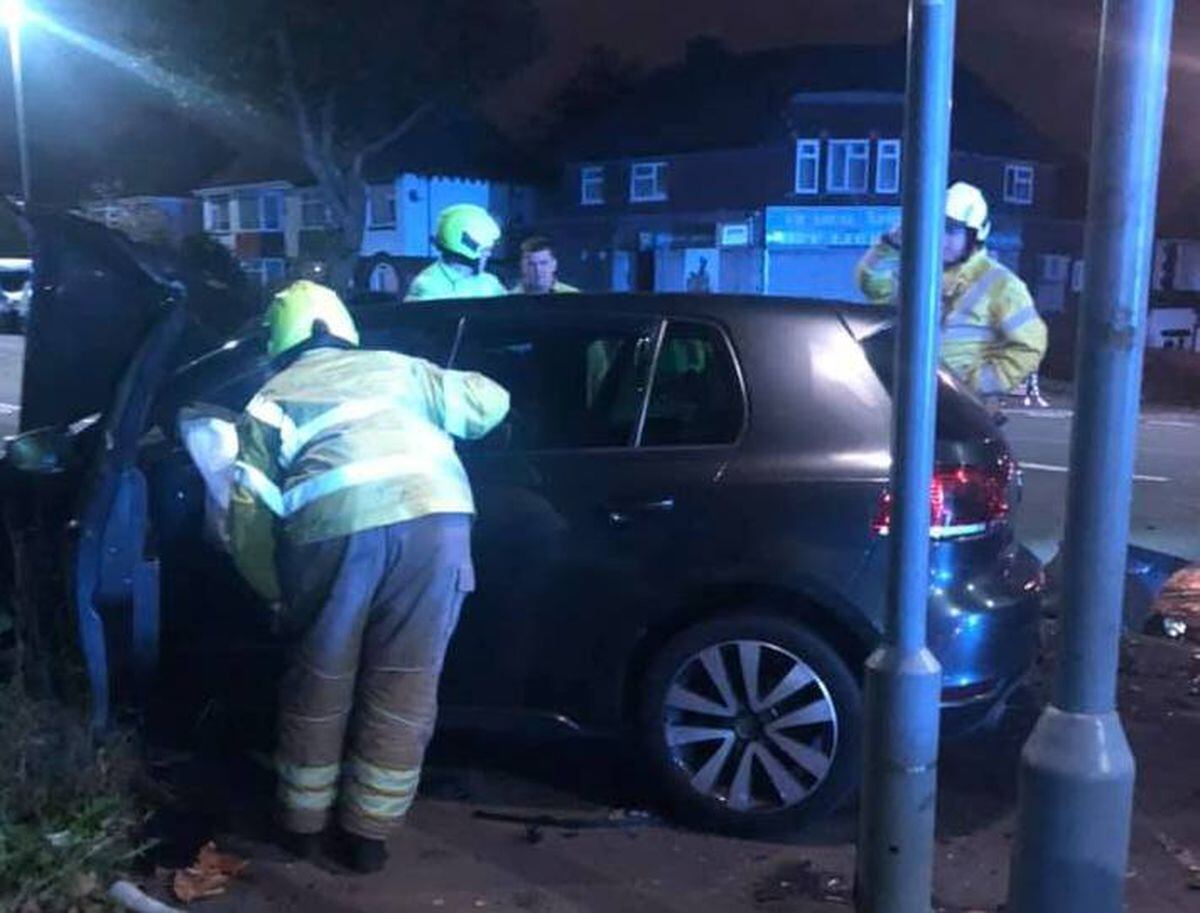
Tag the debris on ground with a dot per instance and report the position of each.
(1178, 604)
(1185, 857)
(534, 824)
(131, 897)
(208, 876)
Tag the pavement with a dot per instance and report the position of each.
(12, 355)
(556, 835)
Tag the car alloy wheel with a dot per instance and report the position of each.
(750, 725)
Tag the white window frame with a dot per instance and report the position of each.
(734, 234)
(648, 171)
(1055, 267)
(260, 269)
(1077, 276)
(887, 150)
(309, 200)
(388, 192)
(257, 200)
(808, 150)
(1019, 184)
(856, 150)
(212, 206)
(591, 185)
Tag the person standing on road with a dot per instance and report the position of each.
(539, 270)
(345, 458)
(992, 336)
(465, 237)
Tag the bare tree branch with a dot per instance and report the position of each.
(376, 146)
(328, 109)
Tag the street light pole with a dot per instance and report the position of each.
(13, 14)
(903, 678)
(1077, 772)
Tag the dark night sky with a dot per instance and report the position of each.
(1039, 54)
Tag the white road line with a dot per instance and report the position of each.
(1163, 423)
(1041, 413)
(1048, 467)
(9, 409)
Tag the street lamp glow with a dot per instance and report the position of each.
(12, 13)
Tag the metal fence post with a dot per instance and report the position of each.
(903, 679)
(1077, 772)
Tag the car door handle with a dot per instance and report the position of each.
(622, 514)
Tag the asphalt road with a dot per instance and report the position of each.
(1166, 490)
(1166, 506)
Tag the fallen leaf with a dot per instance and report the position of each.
(208, 876)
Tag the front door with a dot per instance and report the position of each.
(581, 532)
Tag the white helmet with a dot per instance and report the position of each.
(965, 203)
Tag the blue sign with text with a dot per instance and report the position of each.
(828, 226)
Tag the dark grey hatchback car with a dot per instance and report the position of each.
(681, 533)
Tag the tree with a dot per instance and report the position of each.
(602, 79)
(330, 83)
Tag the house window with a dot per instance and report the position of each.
(734, 234)
(887, 166)
(1018, 184)
(848, 164)
(314, 211)
(1055, 267)
(647, 182)
(808, 163)
(268, 272)
(216, 214)
(591, 185)
(1077, 276)
(384, 278)
(381, 206)
(258, 211)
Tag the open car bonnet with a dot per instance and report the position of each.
(97, 299)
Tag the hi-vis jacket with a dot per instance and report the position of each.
(346, 440)
(441, 281)
(992, 336)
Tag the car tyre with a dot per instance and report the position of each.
(752, 725)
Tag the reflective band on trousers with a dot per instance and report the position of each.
(307, 800)
(382, 779)
(290, 502)
(308, 777)
(963, 332)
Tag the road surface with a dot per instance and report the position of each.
(1166, 490)
(1166, 507)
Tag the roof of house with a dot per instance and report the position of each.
(717, 99)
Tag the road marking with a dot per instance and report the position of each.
(1164, 423)
(1048, 467)
(9, 409)
(1041, 413)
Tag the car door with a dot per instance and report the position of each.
(580, 531)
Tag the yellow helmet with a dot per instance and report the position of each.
(294, 310)
(467, 230)
(965, 203)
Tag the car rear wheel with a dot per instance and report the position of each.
(752, 725)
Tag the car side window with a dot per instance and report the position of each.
(696, 397)
(574, 383)
(422, 335)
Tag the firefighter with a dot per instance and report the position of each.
(992, 336)
(465, 236)
(351, 512)
(539, 270)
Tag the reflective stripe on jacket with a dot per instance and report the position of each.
(992, 335)
(438, 280)
(347, 440)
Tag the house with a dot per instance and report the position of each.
(772, 172)
(270, 214)
(155, 219)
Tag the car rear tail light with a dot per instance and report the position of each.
(963, 500)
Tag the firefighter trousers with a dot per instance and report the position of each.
(359, 697)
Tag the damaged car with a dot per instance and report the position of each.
(682, 530)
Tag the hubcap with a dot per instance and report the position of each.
(750, 725)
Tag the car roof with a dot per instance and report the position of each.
(666, 304)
